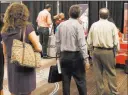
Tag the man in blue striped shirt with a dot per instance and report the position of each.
(71, 45)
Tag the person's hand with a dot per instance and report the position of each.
(90, 53)
(87, 64)
(39, 66)
(1, 42)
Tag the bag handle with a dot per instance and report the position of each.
(23, 40)
(24, 36)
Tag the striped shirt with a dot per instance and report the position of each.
(70, 37)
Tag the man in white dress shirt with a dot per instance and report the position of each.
(103, 36)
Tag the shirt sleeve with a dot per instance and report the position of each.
(58, 40)
(3, 36)
(38, 17)
(81, 41)
(29, 29)
(89, 39)
(116, 38)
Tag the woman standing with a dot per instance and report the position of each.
(1, 62)
(58, 19)
(22, 80)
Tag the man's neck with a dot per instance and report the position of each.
(46, 10)
(102, 19)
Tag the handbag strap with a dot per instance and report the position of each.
(23, 40)
(24, 36)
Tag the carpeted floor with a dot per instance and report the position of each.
(44, 88)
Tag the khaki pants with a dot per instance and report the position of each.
(104, 61)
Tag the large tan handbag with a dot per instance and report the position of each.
(23, 53)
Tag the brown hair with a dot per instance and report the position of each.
(74, 11)
(48, 6)
(16, 16)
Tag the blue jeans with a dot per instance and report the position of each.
(44, 37)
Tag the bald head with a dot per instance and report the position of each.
(104, 13)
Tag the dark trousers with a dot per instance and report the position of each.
(44, 37)
(72, 64)
(24, 94)
(1, 67)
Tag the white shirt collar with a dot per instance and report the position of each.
(72, 18)
(103, 19)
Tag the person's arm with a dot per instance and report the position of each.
(49, 20)
(35, 41)
(4, 48)
(38, 18)
(4, 51)
(116, 38)
(58, 41)
(81, 42)
(89, 39)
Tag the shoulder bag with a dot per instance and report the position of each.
(23, 53)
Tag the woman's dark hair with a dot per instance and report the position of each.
(74, 11)
(16, 15)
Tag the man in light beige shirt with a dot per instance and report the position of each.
(44, 21)
(103, 36)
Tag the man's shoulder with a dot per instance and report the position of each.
(95, 23)
(46, 11)
(43, 11)
(67, 22)
(62, 23)
(111, 23)
(98, 22)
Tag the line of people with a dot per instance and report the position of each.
(71, 47)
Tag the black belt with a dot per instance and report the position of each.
(104, 48)
(43, 27)
(70, 52)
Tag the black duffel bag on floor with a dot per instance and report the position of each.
(54, 76)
